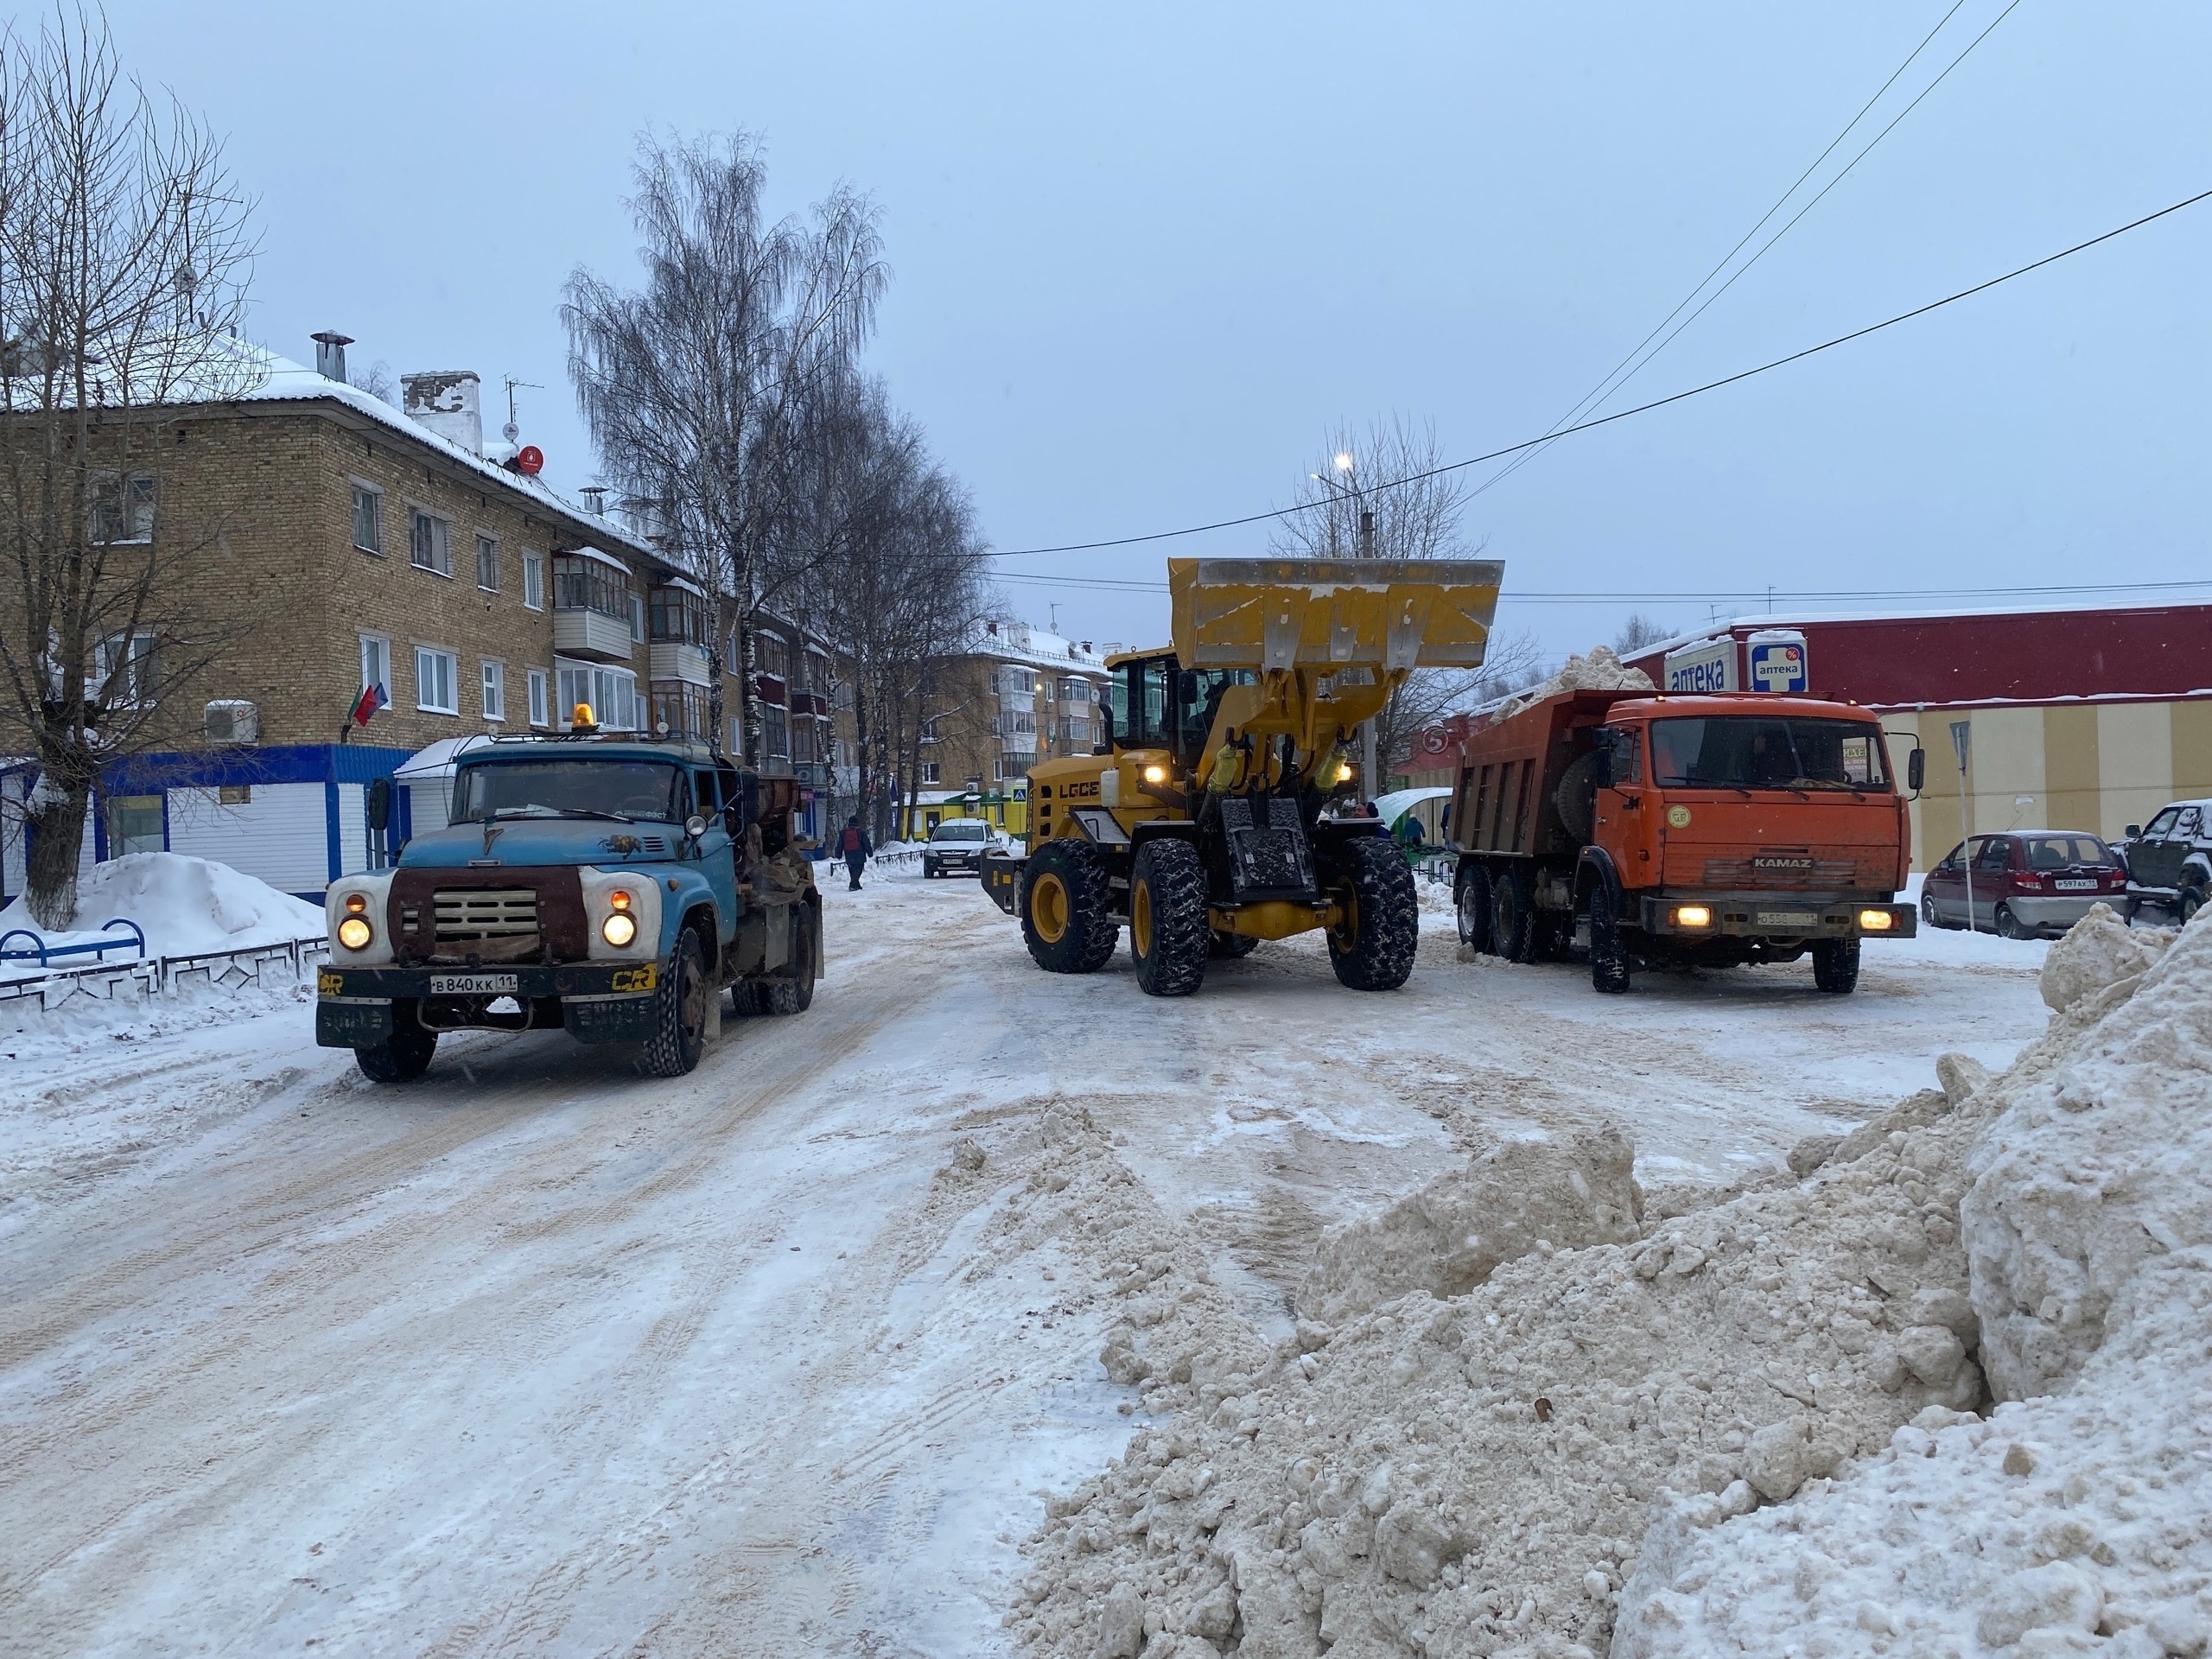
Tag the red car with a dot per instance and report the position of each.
(2027, 883)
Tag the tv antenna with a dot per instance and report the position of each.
(512, 429)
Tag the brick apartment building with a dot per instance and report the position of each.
(351, 544)
(1018, 695)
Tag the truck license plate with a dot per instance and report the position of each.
(1788, 919)
(2077, 886)
(474, 984)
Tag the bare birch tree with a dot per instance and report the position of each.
(124, 256)
(696, 385)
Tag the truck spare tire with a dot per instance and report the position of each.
(1576, 796)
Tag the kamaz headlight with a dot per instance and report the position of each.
(618, 930)
(354, 933)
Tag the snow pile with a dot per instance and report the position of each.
(2098, 950)
(1600, 670)
(1471, 1468)
(2079, 1519)
(184, 906)
(1447, 1238)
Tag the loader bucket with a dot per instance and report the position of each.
(1325, 614)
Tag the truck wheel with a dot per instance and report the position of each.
(1474, 909)
(1372, 950)
(796, 994)
(1836, 965)
(1067, 919)
(1609, 964)
(1169, 934)
(1511, 916)
(1230, 947)
(403, 1056)
(679, 1012)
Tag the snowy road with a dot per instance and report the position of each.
(540, 1356)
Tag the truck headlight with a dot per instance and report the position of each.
(618, 930)
(354, 933)
(1876, 921)
(1693, 916)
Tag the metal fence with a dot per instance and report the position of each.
(142, 981)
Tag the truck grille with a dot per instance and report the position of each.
(1771, 871)
(475, 917)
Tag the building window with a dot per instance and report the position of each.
(134, 825)
(929, 770)
(122, 507)
(590, 584)
(234, 795)
(375, 661)
(680, 709)
(495, 690)
(434, 681)
(734, 653)
(612, 693)
(368, 518)
(776, 733)
(1025, 723)
(680, 617)
(1017, 682)
(1075, 691)
(533, 581)
(775, 652)
(123, 669)
(541, 697)
(430, 545)
(637, 617)
(488, 564)
(736, 735)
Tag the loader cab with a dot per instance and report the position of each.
(1158, 704)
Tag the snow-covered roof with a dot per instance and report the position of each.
(1767, 621)
(597, 556)
(1017, 642)
(437, 759)
(269, 378)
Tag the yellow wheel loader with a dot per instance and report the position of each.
(1222, 809)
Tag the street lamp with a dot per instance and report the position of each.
(1358, 497)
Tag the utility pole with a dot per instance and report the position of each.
(1368, 758)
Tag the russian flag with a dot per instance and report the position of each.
(373, 698)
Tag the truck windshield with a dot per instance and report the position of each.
(579, 788)
(1764, 751)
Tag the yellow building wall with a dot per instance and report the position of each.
(2071, 769)
(2192, 740)
(2135, 762)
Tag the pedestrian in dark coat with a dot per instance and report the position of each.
(855, 848)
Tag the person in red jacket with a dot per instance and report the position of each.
(854, 846)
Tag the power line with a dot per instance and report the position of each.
(1704, 595)
(1631, 364)
(1624, 414)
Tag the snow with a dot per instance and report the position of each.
(790, 1355)
(184, 906)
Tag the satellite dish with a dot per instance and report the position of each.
(529, 460)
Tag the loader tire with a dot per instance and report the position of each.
(1169, 932)
(1474, 909)
(1228, 947)
(1067, 920)
(1835, 966)
(1609, 964)
(1372, 948)
(1512, 917)
(679, 1012)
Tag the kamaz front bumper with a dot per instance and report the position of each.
(1779, 915)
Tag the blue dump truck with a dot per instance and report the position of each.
(611, 887)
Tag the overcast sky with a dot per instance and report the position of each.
(1145, 256)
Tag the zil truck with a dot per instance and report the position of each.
(1219, 811)
(609, 886)
(1707, 830)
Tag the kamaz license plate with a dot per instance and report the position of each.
(2076, 887)
(1789, 918)
(474, 984)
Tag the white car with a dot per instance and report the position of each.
(958, 844)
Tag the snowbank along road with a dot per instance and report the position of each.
(539, 1356)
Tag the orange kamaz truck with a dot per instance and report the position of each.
(1652, 830)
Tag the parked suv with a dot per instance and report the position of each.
(2026, 883)
(2169, 859)
(956, 844)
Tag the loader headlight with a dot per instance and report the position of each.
(1155, 774)
(1344, 772)
(354, 933)
(619, 929)
(1693, 916)
(1876, 921)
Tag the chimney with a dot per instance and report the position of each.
(330, 353)
(445, 400)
